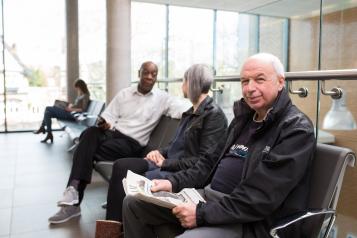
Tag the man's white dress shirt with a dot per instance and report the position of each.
(136, 115)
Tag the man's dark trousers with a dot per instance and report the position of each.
(100, 145)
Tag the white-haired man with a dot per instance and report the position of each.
(260, 176)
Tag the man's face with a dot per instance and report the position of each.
(260, 84)
(148, 76)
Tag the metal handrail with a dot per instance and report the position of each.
(323, 75)
(345, 74)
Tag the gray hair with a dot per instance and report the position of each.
(199, 78)
(273, 60)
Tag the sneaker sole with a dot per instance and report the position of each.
(74, 202)
(66, 219)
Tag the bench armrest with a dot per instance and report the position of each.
(301, 216)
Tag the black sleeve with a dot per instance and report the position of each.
(163, 151)
(174, 165)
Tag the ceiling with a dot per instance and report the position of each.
(277, 8)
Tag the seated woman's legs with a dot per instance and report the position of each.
(116, 192)
(53, 112)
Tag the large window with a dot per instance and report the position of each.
(92, 45)
(190, 38)
(148, 36)
(273, 36)
(2, 88)
(34, 60)
(236, 40)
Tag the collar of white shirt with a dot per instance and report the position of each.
(136, 91)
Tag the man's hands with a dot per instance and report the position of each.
(102, 124)
(156, 157)
(186, 214)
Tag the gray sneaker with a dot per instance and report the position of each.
(64, 214)
(70, 197)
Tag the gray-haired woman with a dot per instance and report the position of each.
(197, 136)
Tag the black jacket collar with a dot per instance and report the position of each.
(204, 105)
(243, 111)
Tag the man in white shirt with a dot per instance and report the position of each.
(122, 131)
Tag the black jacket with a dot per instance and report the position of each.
(200, 137)
(275, 176)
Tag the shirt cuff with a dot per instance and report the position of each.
(200, 221)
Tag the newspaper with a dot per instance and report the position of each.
(140, 187)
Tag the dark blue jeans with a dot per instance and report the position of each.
(55, 112)
(154, 172)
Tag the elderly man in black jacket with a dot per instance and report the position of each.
(196, 137)
(260, 176)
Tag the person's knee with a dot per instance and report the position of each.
(128, 203)
(117, 165)
(91, 131)
(48, 110)
(117, 170)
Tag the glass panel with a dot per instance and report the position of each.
(2, 88)
(92, 45)
(190, 39)
(231, 92)
(148, 33)
(303, 53)
(35, 59)
(236, 40)
(338, 51)
(271, 37)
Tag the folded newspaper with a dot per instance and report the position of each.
(140, 187)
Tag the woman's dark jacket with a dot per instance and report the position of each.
(275, 175)
(209, 125)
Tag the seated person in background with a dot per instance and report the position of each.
(123, 131)
(80, 105)
(196, 137)
(261, 175)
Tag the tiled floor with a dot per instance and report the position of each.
(32, 178)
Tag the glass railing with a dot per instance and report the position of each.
(313, 92)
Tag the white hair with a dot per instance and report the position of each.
(271, 59)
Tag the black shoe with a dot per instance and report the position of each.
(40, 130)
(48, 137)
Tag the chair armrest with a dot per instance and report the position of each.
(301, 216)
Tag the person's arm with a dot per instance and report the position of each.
(80, 105)
(175, 106)
(267, 187)
(164, 150)
(214, 129)
(111, 112)
(85, 102)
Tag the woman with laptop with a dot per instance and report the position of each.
(64, 110)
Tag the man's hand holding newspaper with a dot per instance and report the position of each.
(140, 187)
